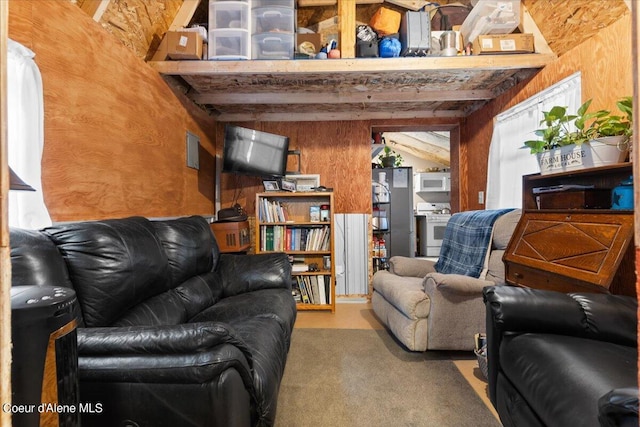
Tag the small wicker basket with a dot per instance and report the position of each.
(482, 361)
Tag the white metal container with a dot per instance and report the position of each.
(599, 152)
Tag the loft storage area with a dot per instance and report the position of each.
(349, 88)
(260, 29)
(390, 59)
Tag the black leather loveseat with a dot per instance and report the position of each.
(562, 359)
(171, 332)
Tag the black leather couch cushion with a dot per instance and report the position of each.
(189, 245)
(114, 265)
(562, 377)
(265, 273)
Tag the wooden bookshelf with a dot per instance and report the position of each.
(285, 223)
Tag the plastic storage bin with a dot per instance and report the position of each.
(271, 3)
(228, 14)
(491, 17)
(273, 19)
(229, 44)
(272, 46)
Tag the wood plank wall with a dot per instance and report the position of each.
(114, 131)
(605, 63)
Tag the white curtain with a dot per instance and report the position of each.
(508, 161)
(25, 136)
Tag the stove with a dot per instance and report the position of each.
(431, 219)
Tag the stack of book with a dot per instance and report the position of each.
(273, 211)
(314, 289)
(289, 238)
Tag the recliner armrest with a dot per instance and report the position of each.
(455, 283)
(410, 267)
(604, 317)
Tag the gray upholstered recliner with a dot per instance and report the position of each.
(427, 310)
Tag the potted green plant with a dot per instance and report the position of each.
(613, 125)
(575, 141)
(389, 158)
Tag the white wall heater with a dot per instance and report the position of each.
(351, 254)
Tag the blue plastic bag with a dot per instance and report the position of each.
(389, 47)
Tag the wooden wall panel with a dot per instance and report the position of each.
(114, 131)
(605, 63)
(339, 151)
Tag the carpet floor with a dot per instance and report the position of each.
(348, 377)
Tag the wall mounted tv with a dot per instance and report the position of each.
(252, 152)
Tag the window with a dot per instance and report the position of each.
(508, 161)
(25, 118)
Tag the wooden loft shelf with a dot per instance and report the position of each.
(350, 89)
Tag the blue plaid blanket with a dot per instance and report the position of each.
(466, 241)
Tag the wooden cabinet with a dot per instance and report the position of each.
(232, 236)
(569, 248)
(301, 225)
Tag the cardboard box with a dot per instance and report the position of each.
(184, 45)
(503, 43)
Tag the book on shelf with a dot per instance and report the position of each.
(303, 290)
(314, 213)
(321, 289)
(299, 267)
(295, 238)
(315, 289)
(272, 211)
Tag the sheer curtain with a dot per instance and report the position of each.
(25, 136)
(508, 161)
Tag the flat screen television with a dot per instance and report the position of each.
(252, 152)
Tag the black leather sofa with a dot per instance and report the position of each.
(562, 359)
(171, 332)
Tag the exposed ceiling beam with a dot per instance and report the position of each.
(335, 116)
(339, 98)
(410, 4)
(435, 152)
(313, 3)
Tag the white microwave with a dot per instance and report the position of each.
(429, 182)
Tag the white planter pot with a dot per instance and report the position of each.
(598, 152)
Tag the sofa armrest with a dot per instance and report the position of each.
(455, 283)
(173, 339)
(410, 267)
(188, 353)
(246, 273)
